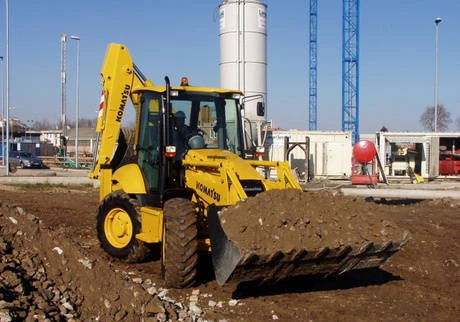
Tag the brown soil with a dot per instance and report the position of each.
(286, 219)
(51, 265)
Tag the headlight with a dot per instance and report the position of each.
(260, 151)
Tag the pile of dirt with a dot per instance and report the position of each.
(46, 277)
(292, 219)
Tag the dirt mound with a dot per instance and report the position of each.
(292, 219)
(46, 277)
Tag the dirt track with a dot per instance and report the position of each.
(420, 283)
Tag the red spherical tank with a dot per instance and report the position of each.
(364, 151)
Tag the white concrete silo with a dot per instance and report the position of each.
(243, 52)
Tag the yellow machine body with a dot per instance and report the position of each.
(153, 192)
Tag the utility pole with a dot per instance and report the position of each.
(63, 95)
(436, 21)
(3, 111)
(7, 165)
(77, 97)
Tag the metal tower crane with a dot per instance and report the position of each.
(313, 99)
(350, 68)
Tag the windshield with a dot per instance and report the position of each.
(25, 154)
(212, 115)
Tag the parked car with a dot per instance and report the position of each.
(25, 159)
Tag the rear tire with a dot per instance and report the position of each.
(118, 223)
(179, 258)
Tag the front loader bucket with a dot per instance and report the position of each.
(231, 263)
(225, 254)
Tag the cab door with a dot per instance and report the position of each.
(148, 147)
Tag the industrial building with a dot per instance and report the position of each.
(430, 155)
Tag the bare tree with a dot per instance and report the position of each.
(48, 125)
(88, 123)
(43, 125)
(443, 119)
(457, 123)
(83, 123)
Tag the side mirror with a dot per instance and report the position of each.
(260, 109)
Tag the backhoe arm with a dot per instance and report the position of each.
(119, 78)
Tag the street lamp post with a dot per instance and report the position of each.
(77, 96)
(3, 111)
(436, 21)
(63, 95)
(7, 29)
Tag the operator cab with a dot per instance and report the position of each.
(211, 121)
(211, 115)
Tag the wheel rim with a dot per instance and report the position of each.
(118, 228)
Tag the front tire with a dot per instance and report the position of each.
(118, 223)
(180, 245)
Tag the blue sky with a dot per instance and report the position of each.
(180, 38)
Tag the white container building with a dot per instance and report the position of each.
(329, 154)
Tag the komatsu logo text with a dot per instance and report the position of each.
(124, 100)
(208, 191)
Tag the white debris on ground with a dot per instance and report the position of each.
(29, 291)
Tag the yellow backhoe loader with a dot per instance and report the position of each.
(166, 187)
